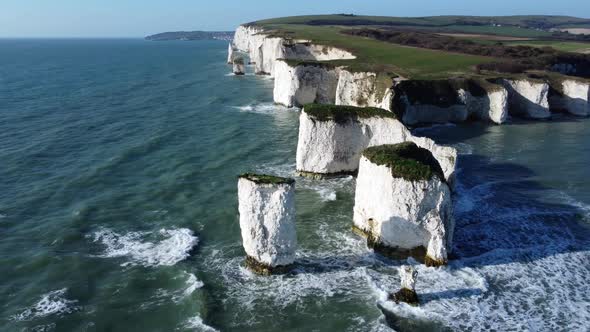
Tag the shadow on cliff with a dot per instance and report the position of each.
(503, 215)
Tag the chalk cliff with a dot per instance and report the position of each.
(528, 98)
(332, 138)
(402, 201)
(304, 83)
(571, 96)
(267, 221)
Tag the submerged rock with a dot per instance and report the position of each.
(407, 293)
(402, 201)
(267, 222)
(332, 138)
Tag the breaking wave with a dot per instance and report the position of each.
(165, 247)
(52, 303)
(264, 108)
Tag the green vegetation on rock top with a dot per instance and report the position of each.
(342, 114)
(266, 179)
(406, 160)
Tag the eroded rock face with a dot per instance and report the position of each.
(407, 293)
(328, 146)
(238, 67)
(404, 214)
(573, 97)
(363, 90)
(528, 98)
(443, 101)
(267, 221)
(230, 54)
(304, 84)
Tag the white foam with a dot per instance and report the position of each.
(52, 303)
(264, 108)
(196, 324)
(192, 284)
(171, 246)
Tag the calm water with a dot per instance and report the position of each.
(118, 207)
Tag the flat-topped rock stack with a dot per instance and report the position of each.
(267, 222)
(332, 138)
(403, 203)
(238, 66)
(407, 293)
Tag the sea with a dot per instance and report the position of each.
(118, 206)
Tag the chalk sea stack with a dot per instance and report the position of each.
(267, 222)
(230, 54)
(407, 293)
(238, 66)
(403, 203)
(333, 137)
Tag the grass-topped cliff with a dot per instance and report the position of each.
(441, 46)
(341, 113)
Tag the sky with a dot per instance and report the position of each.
(138, 18)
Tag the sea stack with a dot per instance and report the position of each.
(230, 54)
(403, 203)
(238, 66)
(407, 293)
(571, 96)
(333, 137)
(267, 222)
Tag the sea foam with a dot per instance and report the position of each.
(170, 246)
(52, 303)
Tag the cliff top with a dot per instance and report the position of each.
(441, 47)
(340, 113)
(266, 179)
(406, 160)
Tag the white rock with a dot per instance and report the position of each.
(362, 90)
(404, 214)
(491, 107)
(267, 221)
(575, 98)
(304, 84)
(328, 147)
(230, 54)
(238, 68)
(528, 98)
(408, 276)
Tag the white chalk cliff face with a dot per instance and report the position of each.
(267, 222)
(574, 98)
(491, 107)
(304, 84)
(265, 50)
(408, 277)
(230, 54)
(528, 98)
(329, 147)
(404, 214)
(362, 90)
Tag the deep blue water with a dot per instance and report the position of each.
(118, 207)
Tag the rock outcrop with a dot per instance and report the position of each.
(407, 293)
(572, 96)
(528, 98)
(454, 100)
(230, 54)
(267, 222)
(364, 89)
(304, 83)
(332, 138)
(402, 201)
(238, 66)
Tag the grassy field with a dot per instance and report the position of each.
(500, 31)
(558, 45)
(377, 56)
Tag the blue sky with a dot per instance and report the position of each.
(137, 18)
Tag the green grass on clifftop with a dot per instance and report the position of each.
(342, 114)
(377, 56)
(266, 179)
(406, 160)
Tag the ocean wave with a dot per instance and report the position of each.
(196, 324)
(52, 303)
(264, 108)
(169, 247)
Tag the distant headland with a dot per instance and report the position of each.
(192, 35)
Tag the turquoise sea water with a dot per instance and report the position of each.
(118, 207)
